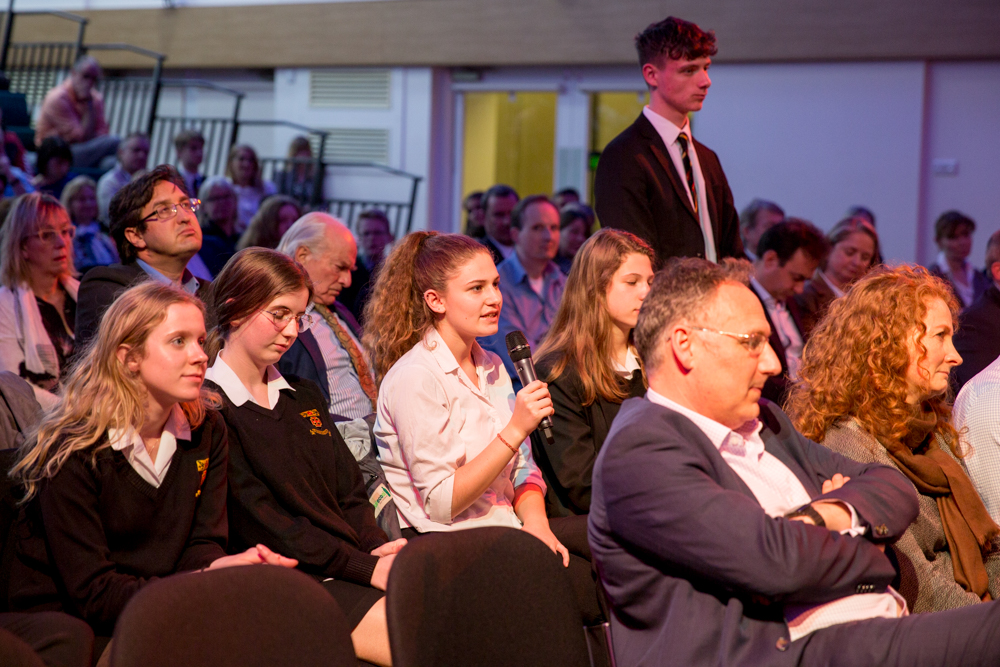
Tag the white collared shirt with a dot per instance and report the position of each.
(130, 444)
(788, 332)
(221, 374)
(347, 397)
(837, 292)
(431, 421)
(631, 364)
(668, 133)
(779, 491)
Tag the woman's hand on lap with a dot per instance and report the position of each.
(541, 530)
(258, 555)
(380, 577)
(390, 548)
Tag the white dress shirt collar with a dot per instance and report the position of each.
(221, 374)
(837, 292)
(129, 442)
(442, 354)
(631, 364)
(716, 433)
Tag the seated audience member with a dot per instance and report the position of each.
(374, 236)
(153, 224)
(299, 178)
(874, 386)
(978, 336)
(190, 147)
(565, 197)
(758, 217)
(217, 216)
(329, 353)
(274, 217)
(723, 536)
(589, 362)
(576, 221)
(853, 251)
(91, 246)
(127, 479)
(497, 204)
(12, 146)
(862, 212)
(451, 434)
(789, 254)
(953, 235)
(74, 112)
(38, 297)
(14, 181)
(243, 171)
(133, 153)
(474, 214)
(531, 283)
(52, 167)
(294, 485)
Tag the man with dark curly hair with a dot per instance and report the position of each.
(654, 179)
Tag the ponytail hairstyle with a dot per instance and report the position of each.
(396, 316)
(101, 392)
(247, 283)
(580, 335)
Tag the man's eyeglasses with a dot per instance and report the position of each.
(282, 318)
(754, 342)
(167, 212)
(48, 235)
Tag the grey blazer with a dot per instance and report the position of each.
(927, 578)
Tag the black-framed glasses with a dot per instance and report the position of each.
(282, 318)
(754, 342)
(48, 235)
(166, 212)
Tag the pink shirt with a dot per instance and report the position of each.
(62, 116)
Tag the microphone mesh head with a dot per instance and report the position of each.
(517, 346)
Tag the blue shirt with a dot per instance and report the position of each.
(524, 309)
(188, 283)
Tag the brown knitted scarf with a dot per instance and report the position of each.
(967, 525)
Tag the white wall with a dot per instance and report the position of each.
(819, 138)
(964, 125)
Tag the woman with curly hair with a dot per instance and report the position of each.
(590, 363)
(873, 387)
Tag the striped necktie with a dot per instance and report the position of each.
(682, 139)
(357, 358)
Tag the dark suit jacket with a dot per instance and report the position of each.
(579, 432)
(637, 189)
(98, 290)
(978, 337)
(980, 283)
(304, 358)
(694, 570)
(494, 250)
(777, 386)
(812, 304)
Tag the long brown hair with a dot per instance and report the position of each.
(580, 335)
(397, 317)
(101, 392)
(855, 364)
(247, 283)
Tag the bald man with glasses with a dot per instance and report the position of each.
(724, 537)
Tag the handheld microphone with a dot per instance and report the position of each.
(520, 354)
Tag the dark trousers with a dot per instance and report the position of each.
(54, 639)
(969, 637)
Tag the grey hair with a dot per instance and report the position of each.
(308, 231)
(205, 193)
(682, 291)
(85, 61)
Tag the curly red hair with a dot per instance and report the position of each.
(855, 364)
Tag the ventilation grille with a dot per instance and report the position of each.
(349, 88)
(355, 145)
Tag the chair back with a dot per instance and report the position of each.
(490, 597)
(251, 616)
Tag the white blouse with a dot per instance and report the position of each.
(431, 421)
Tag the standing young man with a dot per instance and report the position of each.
(654, 179)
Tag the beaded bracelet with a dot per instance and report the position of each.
(509, 446)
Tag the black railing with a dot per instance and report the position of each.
(130, 101)
(34, 68)
(220, 132)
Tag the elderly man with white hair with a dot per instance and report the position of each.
(329, 352)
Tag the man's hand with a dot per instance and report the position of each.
(835, 483)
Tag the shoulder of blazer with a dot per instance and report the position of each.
(118, 274)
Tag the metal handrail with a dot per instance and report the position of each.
(200, 83)
(118, 46)
(8, 27)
